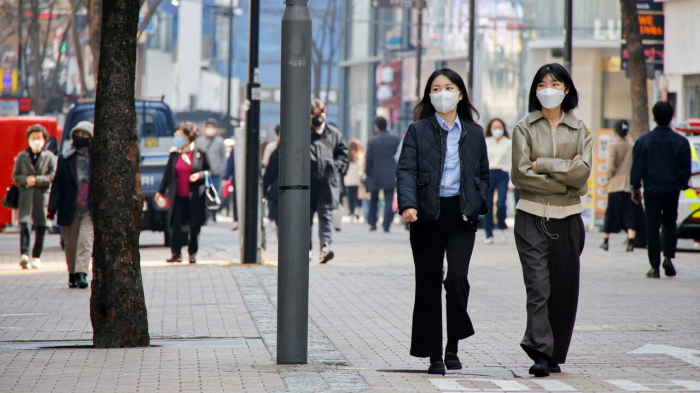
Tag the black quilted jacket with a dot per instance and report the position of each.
(421, 164)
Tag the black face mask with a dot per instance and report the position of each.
(79, 142)
(318, 121)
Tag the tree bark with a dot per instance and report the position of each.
(117, 305)
(637, 69)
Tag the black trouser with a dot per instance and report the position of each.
(353, 202)
(551, 266)
(181, 226)
(430, 240)
(388, 208)
(25, 240)
(661, 210)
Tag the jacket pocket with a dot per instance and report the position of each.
(423, 179)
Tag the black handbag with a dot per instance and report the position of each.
(11, 199)
(212, 201)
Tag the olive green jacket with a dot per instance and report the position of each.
(559, 178)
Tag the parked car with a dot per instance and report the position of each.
(155, 126)
(689, 203)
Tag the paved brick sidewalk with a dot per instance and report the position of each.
(212, 324)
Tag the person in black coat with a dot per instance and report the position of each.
(184, 183)
(380, 167)
(271, 185)
(442, 183)
(661, 161)
(329, 161)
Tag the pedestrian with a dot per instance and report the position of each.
(500, 150)
(329, 161)
(381, 172)
(34, 171)
(71, 200)
(442, 182)
(619, 215)
(661, 162)
(184, 183)
(270, 181)
(212, 144)
(551, 165)
(353, 178)
(270, 147)
(230, 178)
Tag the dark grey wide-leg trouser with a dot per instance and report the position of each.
(551, 268)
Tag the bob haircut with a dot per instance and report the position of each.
(487, 130)
(38, 128)
(190, 129)
(465, 110)
(559, 73)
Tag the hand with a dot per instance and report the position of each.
(158, 197)
(534, 166)
(51, 214)
(576, 157)
(31, 181)
(410, 215)
(195, 177)
(637, 196)
(231, 188)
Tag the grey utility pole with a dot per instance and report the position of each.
(231, 15)
(252, 142)
(568, 31)
(294, 181)
(472, 32)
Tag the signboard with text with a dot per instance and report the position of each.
(651, 28)
(9, 80)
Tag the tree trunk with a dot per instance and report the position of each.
(117, 305)
(637, 69)
(94, 18)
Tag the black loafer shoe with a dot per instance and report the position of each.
(437, 368)
(72, 280)
(554, 368)
(669, 270)
(540, 368)
(653, 273)
(452, 361)
(82, 280)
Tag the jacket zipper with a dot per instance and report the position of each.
(461, 168)
(442, 163)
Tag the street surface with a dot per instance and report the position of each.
(213, 324)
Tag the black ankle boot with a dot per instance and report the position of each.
(72, 280)
(82, 280)
(540, 368)
(630, 244)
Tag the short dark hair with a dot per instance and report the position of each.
(487, 130)
(190, 129)
(465, 110)
(211, 121)
(40, 129)
(663, 113)
(622, 127)
(380, 122)
(559, 73)
(277, 129)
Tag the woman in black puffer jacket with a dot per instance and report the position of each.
(442, 183)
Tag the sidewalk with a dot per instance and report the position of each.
(213, 324)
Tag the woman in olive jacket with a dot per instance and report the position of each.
(442, 181)
(34, 171)
(551, 166)
(184, 183)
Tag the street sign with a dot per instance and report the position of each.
(9, 80)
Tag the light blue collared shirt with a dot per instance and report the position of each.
(451, 174)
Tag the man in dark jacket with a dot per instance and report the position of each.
(661, 160)
(380, 167)
(329, 161)
(270, 181)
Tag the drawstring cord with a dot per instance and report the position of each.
(552, 236)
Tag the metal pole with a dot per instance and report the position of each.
(20, 50)
(294, 181)
(472, 32)
(252, 155)
(419, 49)
(229, 129)
(568, 27)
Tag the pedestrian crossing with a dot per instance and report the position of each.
(552, 385)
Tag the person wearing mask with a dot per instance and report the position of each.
(552, 153)
(184, 183)
(70, 201)
(442, 183)
(500, 151)
(34, 171)
(270, 180)
(619, 214)
(353, 178)
(381, 172)
(213, 145)
(329, 161)
(661, 162)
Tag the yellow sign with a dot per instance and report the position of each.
(151, 142)
(10, 81)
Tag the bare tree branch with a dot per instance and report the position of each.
(152, 7)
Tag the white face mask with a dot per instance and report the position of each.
(550, 98)
(210, 131)
(36, 145)
(497, 132)
(444, 101)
